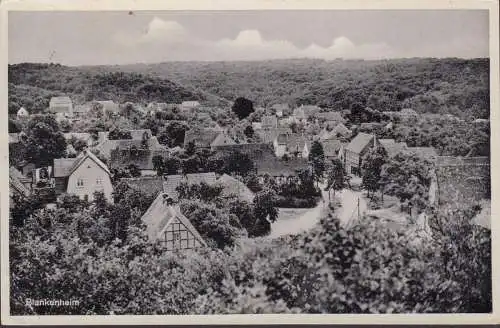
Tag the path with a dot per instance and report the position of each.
(349, 209)
(302, 222)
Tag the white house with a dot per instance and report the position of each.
(61, 106)
(22, 113)
(82, 176)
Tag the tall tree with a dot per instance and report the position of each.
(242, 107)
(336, 176)
(317, 160)
(372, 167)
(44, 141)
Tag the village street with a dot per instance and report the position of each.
(307, 219)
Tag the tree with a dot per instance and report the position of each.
(317, 159)
(336, 176)
(265, 211)
(172, 134)
(158, 164)
(44, 142)
(134, 171)
(118, 134)
(249, 132)
(242, 107)
(373, 161)
(14, 127)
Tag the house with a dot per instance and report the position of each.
(22, 113)
(61, 106)
(292, 144)
(82, 176)
(281, 109)
(234, 187)
(109, 106)
(355, 151)
(340, 130)
(166, 224)
(331, 148)
(269, 122)
(299, 115)
(392, 147)
(279, 169)
(171, 182)
(188, 105)
(19, 185)
(141, 139)
(222, 139)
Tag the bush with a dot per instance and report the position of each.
(294, 202)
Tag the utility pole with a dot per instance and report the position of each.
(358, 208)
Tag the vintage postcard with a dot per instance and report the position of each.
(249, 162)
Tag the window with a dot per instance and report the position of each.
(79, 182)
(98, 181)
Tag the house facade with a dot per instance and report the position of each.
(82, 176)
(355, 151)
(61, 106)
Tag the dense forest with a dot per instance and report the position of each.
(32, 85)
(444, 86)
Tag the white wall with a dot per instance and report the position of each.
(90, 172)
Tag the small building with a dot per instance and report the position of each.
(293, 144)
(165, 223)
(256, 125)
(61, 106)
(331, 148)
(355, 151)
(188, 105)
(280, 170)
(22, 113)
(19, 184)
(201, 138)
(269, 122)
(82, 176)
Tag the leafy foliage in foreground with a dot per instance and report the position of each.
(60, 254)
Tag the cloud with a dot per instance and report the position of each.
(170, 41)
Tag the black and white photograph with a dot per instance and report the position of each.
(254, 161)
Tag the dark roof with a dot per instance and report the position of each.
(359, 142)
(149, 185)
(142, 158)
(277, 167)
(255, 151)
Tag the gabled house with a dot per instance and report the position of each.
(22, 113)
(82, 176)
(201, 138)
(171, 182)
(355, 151)
(165, 223)
(269, 122)
(61, 106)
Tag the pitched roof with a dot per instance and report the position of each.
(296, 141)
(138, 134)
(222, 139)
(342, 130)
(255, 151)
(269, 121)
(330, 116)
(64, 167)
(62, 100)
(331, 147)
(200, 137)
(235, 187)
(171, 182)
(22, 112)
(148, 184)
(277, 167)
(160, 215)
(16, 180)
(359, 142)
(109, 105)
(107, 146)
(282, 107)
(299, 113)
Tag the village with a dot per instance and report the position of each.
(279, 141)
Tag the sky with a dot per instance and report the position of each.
(107, 38)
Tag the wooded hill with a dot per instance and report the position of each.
(445, 86)
(32, 86)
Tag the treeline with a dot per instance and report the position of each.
(32, 85)
(444, 86)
